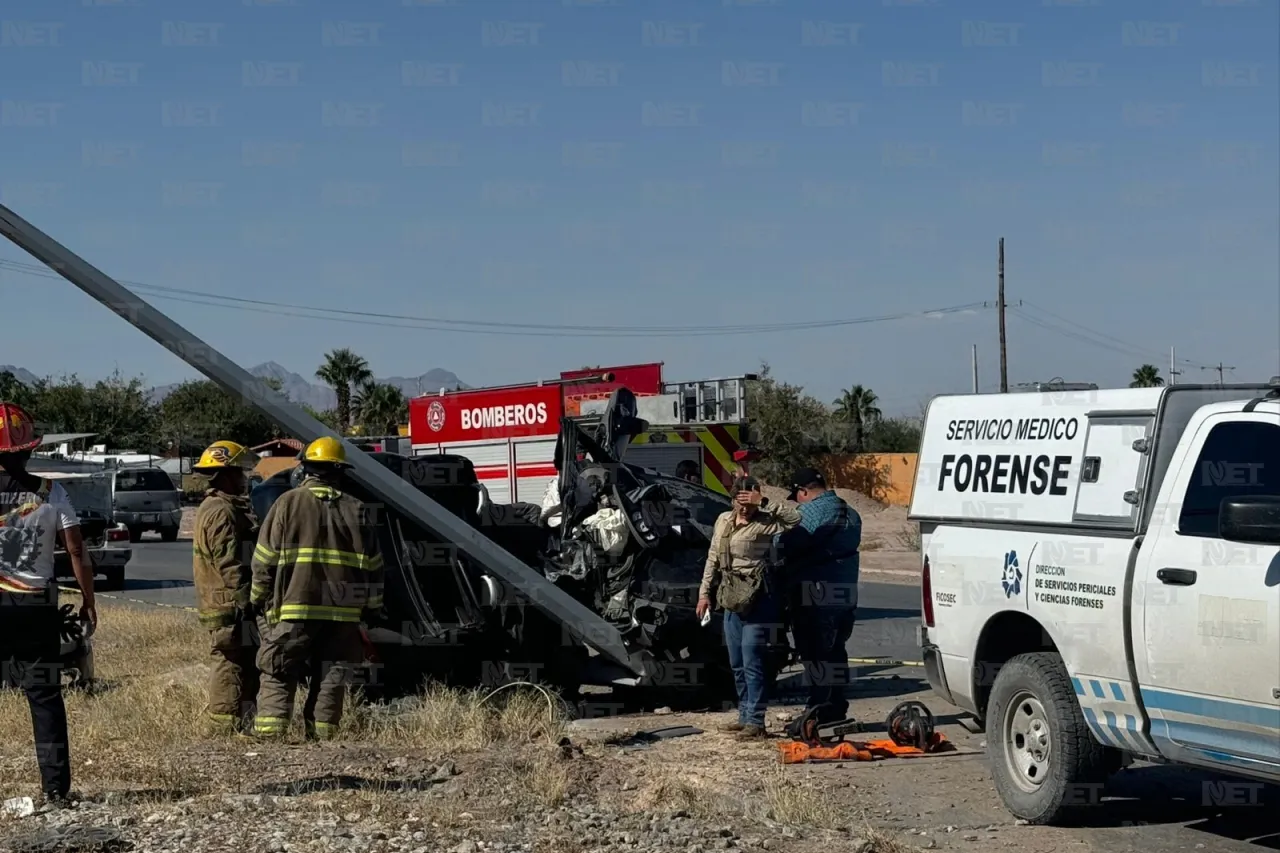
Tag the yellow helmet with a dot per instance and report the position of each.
(328, 450)
(225, 454)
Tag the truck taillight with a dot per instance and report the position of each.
(117, 535)
(926, 594)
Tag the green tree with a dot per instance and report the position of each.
(342, 370)
(14, 390)
(380, 408)
(329, 417)
(1147, 376)
(198, 413)
(857, 407)
(791, 429)
(62, 405)
(893, 435)
(121, 415)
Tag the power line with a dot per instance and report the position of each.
(375, 318)
(1090, 336)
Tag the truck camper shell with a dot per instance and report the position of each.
(1083, 459)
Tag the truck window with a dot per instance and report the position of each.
(149, 480)
(1238, 459)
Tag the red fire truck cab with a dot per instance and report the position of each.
(509, 432)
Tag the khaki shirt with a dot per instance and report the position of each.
(747, 548)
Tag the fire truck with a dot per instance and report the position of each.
(509, 432)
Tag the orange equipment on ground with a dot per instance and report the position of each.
(795, 752)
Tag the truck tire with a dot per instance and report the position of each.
(135, 534)
(169, 534)
(1045, 763)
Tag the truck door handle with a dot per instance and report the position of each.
(1177, 577)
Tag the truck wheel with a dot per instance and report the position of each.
(169, 534)
(1044, 761)
(135, 534)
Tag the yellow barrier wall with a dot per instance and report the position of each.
(887, 477)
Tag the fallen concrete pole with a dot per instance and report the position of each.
(579, 621)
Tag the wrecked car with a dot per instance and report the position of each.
(627, 542)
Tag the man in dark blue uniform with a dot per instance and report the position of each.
(821, 558)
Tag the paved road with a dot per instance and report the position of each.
(888, 613)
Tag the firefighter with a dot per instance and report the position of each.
(34, 513)
(317, 570)
(222, 551)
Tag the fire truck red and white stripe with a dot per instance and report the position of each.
(509, 433)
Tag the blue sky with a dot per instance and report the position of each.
(719, 162)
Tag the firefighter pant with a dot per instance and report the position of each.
(233, 682)
(322, 653)
(821, 634)
(30, 656)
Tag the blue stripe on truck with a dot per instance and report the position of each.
(1213, 709)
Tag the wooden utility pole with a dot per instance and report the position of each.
(1220, 368)
(1004, 355)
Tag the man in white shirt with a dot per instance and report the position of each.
(33, 512)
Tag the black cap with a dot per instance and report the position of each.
(804, 478)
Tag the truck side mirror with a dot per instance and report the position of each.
(1254, 519)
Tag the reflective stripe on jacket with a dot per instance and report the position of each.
(221, 551)
(317, 557)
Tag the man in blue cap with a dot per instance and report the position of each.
(821, 558)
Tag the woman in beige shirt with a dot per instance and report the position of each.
(743, 544)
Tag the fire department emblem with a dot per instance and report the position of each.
(435, 416)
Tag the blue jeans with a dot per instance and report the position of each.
(748, 637)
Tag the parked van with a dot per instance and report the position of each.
(1101, 582)
(147, 499)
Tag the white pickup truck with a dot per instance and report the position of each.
(1101, 583)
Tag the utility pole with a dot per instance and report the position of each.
(1219, 368)
(975, 368)
(1004, 355)
(1174, 372)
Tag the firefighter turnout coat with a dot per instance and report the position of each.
(221, 555)
(317, 558)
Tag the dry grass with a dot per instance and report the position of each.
(790, 801)
(909, 538)
(144, 725)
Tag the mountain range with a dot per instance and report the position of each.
(299, 389)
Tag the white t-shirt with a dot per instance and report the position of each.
(29, 525)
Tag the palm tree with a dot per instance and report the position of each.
(1146, 376)
(380, 407)
(857, 407)
(341, 370)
